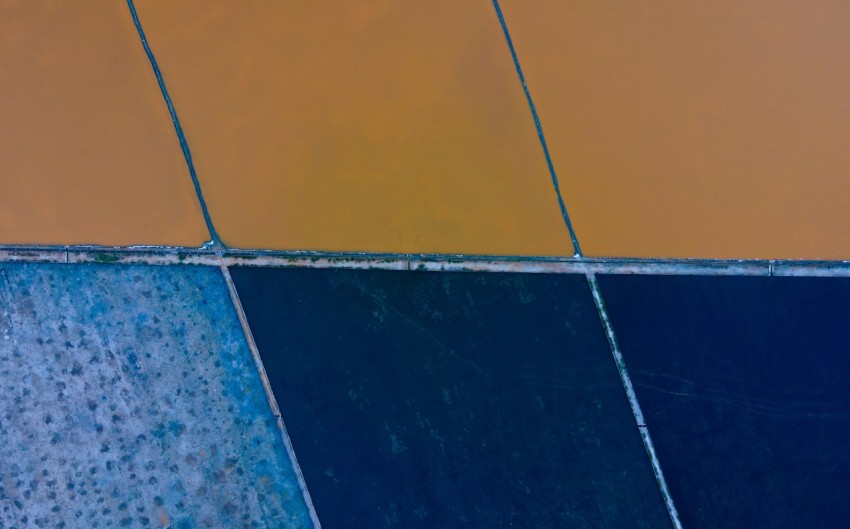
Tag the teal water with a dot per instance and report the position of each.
(743, 383)
(424, 400)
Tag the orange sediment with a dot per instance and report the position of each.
(376, 126)
(88, 154)
(695, 129)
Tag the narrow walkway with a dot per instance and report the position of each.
(421, 262)
(633, 401)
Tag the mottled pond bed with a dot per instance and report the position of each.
(129, 398)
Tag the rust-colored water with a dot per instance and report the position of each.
(696, 129)
(379, 126)
(88, 154)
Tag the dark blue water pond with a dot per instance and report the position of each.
(427, 400)
(743, 382)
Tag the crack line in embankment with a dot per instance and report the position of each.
(184, 145)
